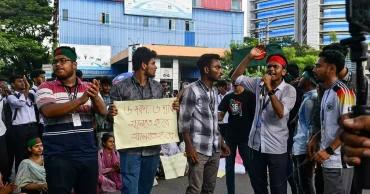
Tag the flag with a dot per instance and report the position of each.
(240, 54)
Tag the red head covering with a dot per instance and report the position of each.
(277, 59)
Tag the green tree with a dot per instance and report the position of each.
(25, 25)
(333, 37)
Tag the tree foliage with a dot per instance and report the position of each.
(25, 24)
(302, 55)
(333, 37)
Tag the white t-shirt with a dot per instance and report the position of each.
(336, 101)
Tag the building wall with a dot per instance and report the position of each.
(211, 28)
(313, 23)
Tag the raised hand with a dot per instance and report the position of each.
(257, 51)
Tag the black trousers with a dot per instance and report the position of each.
(21, 134)
(223, 129)
(4, 168)
(277, 165)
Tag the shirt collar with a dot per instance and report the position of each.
(137, 82)
(79, 82)
(34, 87)
(281, 85)
(309, 93)
(346, 78)
(204, 85)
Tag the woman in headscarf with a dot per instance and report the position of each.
(31, 176)
(110, 178)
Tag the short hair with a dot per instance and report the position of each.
(293, 69)
(105, 138)
(162, 81)
(232, 72)
(105, 80)
(280, 55)
(221, 83)
(337, 46)
(79, 73)
(334, 57)
(142, 55)
(98, 78)
(309, 70)
(206, 60)
(13, 78)
(36, 73)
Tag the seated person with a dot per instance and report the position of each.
(31, 176)
(110, 178)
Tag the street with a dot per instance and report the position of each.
(178, 186)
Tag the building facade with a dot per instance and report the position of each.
(308, 21)
(212, 23)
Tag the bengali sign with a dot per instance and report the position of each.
(144, 123)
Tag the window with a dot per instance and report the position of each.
(171, 24)
(236, 5)
(104, 18)
(146, 21)
(197, 3)
(189, 26)
(65, 14)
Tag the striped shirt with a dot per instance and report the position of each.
(198, 117)
(61, 138)
(337, 100)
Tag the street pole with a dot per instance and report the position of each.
(267, 30)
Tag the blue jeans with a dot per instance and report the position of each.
(230, 163)
(64, 174)
(138, 173)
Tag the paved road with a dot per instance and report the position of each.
(178, 186)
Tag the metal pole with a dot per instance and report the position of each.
(267, 30)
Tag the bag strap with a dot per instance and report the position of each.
(16, 109)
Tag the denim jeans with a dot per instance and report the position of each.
(138, 173)
(64, 174)
(230, 163)
(304, 175)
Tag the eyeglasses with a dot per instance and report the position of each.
(61, 61)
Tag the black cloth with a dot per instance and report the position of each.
(241, 109)
(223, 130)
(297, 105)
(62, 175)
(303, 174)
(276, 164)
(4, 169)
(20, 135)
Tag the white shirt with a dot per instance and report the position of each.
(2, 125)
(26, 111)
(226, 117)
(32, 90)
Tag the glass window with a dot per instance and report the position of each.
(279, 22)
(236, 5)
(104, 18)
(335, 26)
(274, 13)
(329, 13)
(334, 1)
(171, 24)
(65, 14)
(189, 26)
(197, 3)
(273, 3)
(146, 22)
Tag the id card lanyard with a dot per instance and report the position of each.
(75, 117)
(211, 98)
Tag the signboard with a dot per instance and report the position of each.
(131, 50)
(160, 8)
(48, 68)
(92, 57)
(143, 123)
(166, 73)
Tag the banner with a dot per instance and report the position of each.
(174, 166)
(142, 123)
(240, 54)
(160, 8)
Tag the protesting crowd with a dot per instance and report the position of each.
(287, 127)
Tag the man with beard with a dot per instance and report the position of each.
(38, 77)
(304, 175)
(103, 126)
(337, 100)
(269, 134)
(198, 125)
(67, 105)
(138, 165)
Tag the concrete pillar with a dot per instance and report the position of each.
(158, 72)
(175, 74)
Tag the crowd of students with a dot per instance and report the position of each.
(60, 132)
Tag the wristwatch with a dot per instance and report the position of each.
(329, 150)
(271, 92)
